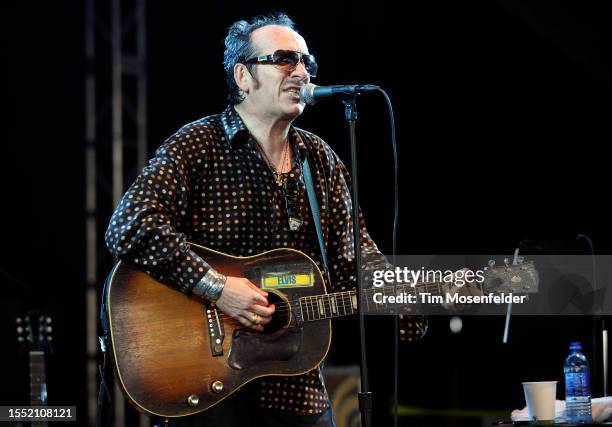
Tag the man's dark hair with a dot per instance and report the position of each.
(238, 47)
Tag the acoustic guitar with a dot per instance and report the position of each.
(177, 354)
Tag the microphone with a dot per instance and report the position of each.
(310, 93)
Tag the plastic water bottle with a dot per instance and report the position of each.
(577, 386)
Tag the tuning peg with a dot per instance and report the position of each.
(19, 330)
(49, 329)
(49, 338)
(18, 320)
(41, 319)
(20, 339)
(48, 320)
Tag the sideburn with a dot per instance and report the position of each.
(250, 68)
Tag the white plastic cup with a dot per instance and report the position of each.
(540, 397)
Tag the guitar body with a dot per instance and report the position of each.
(176, 354)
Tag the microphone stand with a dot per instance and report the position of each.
(364, 396)
(509, 309)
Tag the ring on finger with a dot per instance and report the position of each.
(254, 317)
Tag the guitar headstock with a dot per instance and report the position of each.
(519, 278)
(34, 331)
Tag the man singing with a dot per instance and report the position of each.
(234, 182)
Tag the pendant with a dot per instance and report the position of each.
(279, 179)
(295, 224)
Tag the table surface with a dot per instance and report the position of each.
(526, 423)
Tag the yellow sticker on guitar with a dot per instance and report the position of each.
(287, 280)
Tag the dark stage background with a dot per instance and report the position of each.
(503, 123)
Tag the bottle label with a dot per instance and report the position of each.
(577, 384)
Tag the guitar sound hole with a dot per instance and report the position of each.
(280, 318)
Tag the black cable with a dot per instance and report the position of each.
(598, 319)
(104, 399)
(15, 281)
(393, 254)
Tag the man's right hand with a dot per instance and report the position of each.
(246, 303)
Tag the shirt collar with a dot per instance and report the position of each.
(232, 124)
(297, 141)
(234, 128)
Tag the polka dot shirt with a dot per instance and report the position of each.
(210, 184)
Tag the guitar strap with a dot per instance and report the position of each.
(314, 207)
(316, 216)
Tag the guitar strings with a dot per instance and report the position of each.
(345, 298)
(311, 306)
(341, 299)
(283, 306)
(313, 303)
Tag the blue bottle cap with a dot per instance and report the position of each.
(575, 346)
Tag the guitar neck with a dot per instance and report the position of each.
(38, 385)
(339, 304)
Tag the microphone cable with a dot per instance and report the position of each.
(394, 252)
(598, 319)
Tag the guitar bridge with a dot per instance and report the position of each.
(216, 333)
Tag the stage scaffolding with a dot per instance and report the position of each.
(116, 149)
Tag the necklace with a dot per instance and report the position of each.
(281, 180)
(279, 176)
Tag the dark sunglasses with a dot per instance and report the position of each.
(287, 60)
